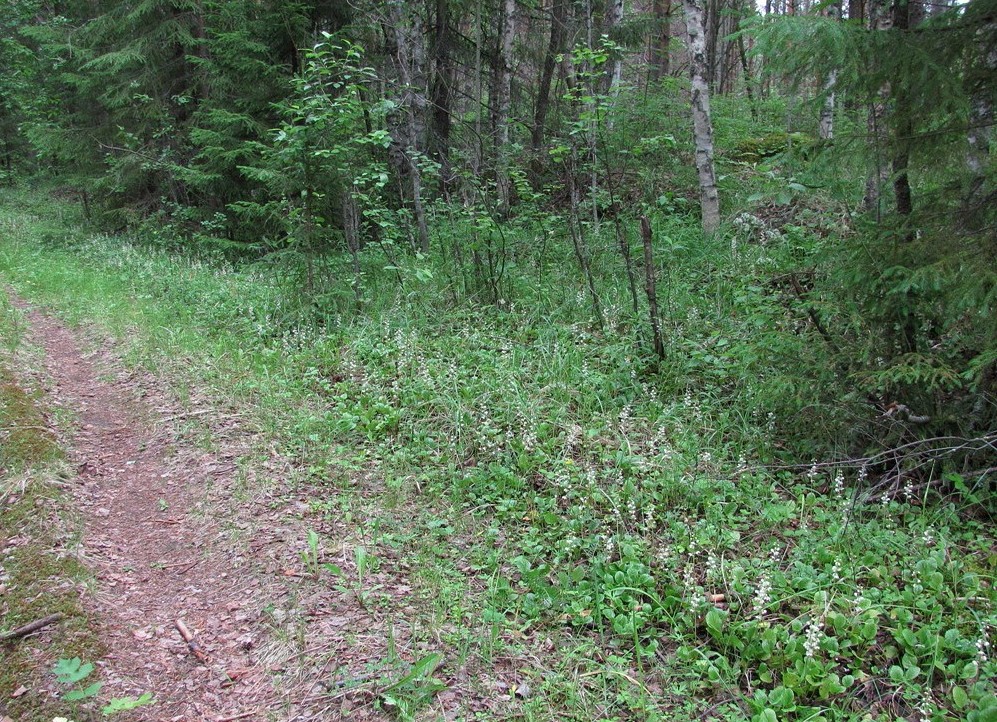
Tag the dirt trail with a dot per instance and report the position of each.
(149, 536)
(173, 531)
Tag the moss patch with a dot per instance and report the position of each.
(39, 574)
(25, 439)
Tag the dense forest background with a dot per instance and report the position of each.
(624, 259)
(483, 144)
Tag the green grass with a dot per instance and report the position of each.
(568, 506)
(39, 572)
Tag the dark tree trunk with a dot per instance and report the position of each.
(558, 33)
(442, 90)
(661, 38)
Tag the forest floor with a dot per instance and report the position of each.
(161, 488)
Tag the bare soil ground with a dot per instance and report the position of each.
(176, 530)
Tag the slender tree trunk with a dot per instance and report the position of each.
(660, 40)
(576, 229)
(614, 17)
(650, 287)
(441, 90)
(351, 230)
(409, 58)
(503, 104)
(981, 118)
(555, 46)
(749, 82)
(826, 125)
(701, 120)
(904, 18)
(879, 19)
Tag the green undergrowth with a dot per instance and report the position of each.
(39, 574)
(615, 527)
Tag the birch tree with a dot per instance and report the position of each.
(503, 103)
(826, 125)
(701, 121)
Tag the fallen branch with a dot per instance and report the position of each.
(29, 628)
(193, 646)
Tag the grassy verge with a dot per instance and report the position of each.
(599, 539)
(39, 575)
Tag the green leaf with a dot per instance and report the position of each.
(782, 697)
(715, 623)
(71, 671)
(959, 697)
(76, 694)
(122, 704)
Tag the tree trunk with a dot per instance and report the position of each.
(614, 16)
(904, 18)
(503, 103)
(555, 46)
(879, 172)
(441, 90)
(826, 125)
(650, 287)
(408, 124)
(660, 39)
(981, 118)
(701, 121)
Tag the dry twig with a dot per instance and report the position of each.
(193, 646)
(29, 628)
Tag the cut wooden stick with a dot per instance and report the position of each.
(29, 628)
(193, 646)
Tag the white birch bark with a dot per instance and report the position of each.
(504, 102)
(701, 121)
(981, 119)
(614, 16)
(826, 128)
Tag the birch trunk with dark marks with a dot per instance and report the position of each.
(503, 103)
(825, 128)
(981, 114)
(702, 124)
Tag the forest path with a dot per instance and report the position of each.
(160, 543)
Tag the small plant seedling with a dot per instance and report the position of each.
(163, 505)
(415, 689)
(310, 556)
(122, 704)
(70, 672)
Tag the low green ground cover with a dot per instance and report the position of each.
(618, 526)
(39, 572)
